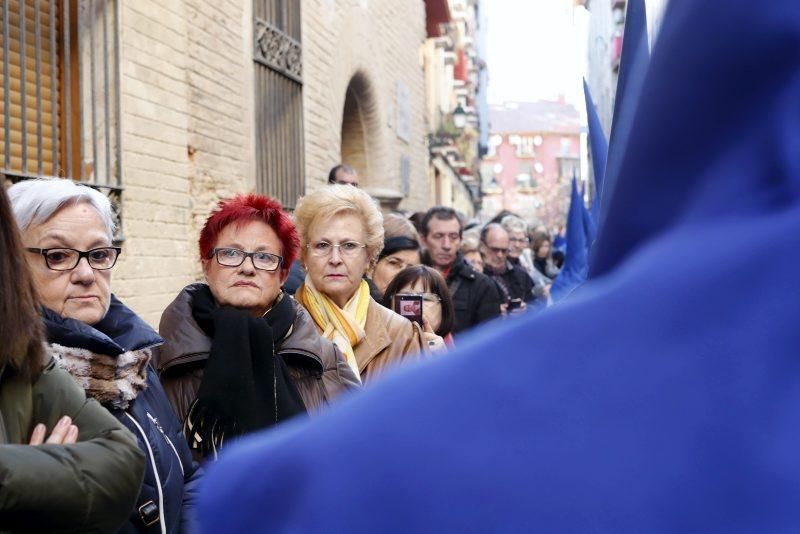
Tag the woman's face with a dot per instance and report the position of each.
(82, 293)
(517, 241)
(544, 250)
(431, 303)
(245, 286)
(388, 267)
(475, 259)
(335, 274)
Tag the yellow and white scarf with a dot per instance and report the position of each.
(342, 326)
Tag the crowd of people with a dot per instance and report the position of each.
(659, 398)
(294, 310)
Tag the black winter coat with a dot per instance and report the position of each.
(475, 295)
(170, 482)
(513, 282)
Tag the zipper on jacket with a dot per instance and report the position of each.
(161, 517)
(169, 441)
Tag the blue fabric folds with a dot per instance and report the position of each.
(662, 397)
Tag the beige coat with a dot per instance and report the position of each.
(390, 339)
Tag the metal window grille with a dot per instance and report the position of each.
(60, 104)
(277, 54)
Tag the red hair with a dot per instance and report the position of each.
(251, 207)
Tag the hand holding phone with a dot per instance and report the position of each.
(409, 306)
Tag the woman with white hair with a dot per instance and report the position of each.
(85, 475)
(67, 232)
(341, 230)
(519, 252)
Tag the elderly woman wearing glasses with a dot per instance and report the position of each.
(105, 346)
(342, 233)
(240, 354)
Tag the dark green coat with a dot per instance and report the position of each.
(89, 486)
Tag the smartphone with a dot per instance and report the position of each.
(409, 306)
(514, 304)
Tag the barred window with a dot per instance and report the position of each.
(278, 57)
(59, 109)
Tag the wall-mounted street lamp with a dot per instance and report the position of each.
(459, 117)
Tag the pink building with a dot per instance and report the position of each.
(534, 150)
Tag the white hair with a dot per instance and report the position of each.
(35, 201)
(512, 223)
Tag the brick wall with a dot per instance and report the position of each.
(185, 138)
(381, 40)
(188, 122)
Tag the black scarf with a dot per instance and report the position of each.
(245, 386)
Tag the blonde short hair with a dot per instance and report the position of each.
(335, 199)
(471, 240)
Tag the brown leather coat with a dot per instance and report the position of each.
(316, 366)
(390, 338)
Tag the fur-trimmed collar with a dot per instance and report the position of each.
(113, 381)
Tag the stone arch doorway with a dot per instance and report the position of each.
(359, 127)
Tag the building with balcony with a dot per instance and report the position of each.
(455, 81)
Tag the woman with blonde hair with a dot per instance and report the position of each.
(341, 230)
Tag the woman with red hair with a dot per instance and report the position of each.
(239, 354)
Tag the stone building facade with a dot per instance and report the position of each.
(175, 94)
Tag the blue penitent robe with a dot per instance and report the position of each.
(662, 396)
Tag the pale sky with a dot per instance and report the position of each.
(536, 49)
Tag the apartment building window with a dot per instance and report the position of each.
(525, 149)
(568, 167)
(59, 109)
(278, 57)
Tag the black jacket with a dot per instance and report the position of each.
(475, 295)
(514, 283)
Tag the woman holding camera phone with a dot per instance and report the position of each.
(425, 283)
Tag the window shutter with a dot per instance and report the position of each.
(32, 146)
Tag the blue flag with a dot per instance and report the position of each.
(662, 397)
(576, 265)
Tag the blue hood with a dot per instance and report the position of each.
(119, 331)
(718, 151)
(662, 397)
(573, 273)
(598, 144)
(632, 69)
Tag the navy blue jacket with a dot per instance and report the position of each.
(662, 396)
(171, 477)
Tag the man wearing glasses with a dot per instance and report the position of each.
(515, 285)
(475, 297)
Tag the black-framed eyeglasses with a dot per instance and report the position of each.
(497, 250)
(233, 257)
(66, 259)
